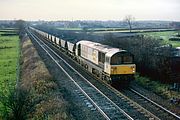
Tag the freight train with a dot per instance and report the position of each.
(113, 65)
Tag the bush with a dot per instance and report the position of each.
(174, 39)
(16, 105)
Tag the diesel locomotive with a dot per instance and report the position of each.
(113, 65)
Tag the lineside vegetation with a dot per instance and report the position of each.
(9, 52)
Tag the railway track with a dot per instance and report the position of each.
(118, 100)
(150, 105)
(108, 109)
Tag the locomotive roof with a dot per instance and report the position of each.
(100, 47)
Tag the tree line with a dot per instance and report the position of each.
(152, 57)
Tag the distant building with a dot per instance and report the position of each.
(175, 25)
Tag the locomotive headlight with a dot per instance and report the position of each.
(113, 69)
(133, 68)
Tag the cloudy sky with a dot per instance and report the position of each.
(89, 9)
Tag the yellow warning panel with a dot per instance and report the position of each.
(123, 69)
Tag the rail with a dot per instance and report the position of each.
(171, 113)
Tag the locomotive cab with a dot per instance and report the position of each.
(120, 66)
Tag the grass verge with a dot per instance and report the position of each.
(157, 87)
(46, 101)
(9, 52)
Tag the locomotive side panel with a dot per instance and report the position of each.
(89, 54)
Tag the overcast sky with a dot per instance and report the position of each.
(90, 9)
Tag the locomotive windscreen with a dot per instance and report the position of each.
(118, 59)
(127, 59)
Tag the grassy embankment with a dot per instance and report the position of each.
(157, 87)
(9, 52)
(45, 98)
(161, 90)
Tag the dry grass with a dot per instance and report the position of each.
(37, 80)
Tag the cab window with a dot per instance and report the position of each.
(121, 59)
(127, 59)
(116, 60)
(101, 57)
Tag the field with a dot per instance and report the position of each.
(111, 29)
(165, 36)
(9, 52)
(69, 29)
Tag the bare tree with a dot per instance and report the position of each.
(129, 19)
